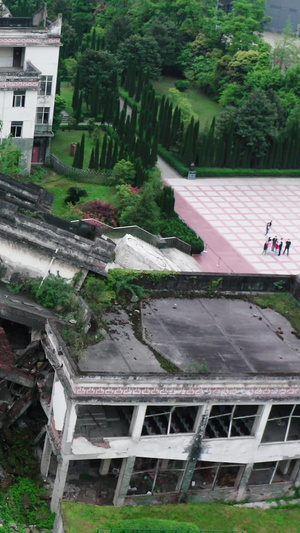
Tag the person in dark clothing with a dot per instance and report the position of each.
(269, 224)
(274, 241)
(287, 247)
(280, 246)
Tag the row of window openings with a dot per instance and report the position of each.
(224, 421)
(42, 117)
(45, 90)
(152, 476)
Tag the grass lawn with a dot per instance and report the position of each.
(59, 186)
(66, 92)
(83, 518)
(204, 108)
(60, 145)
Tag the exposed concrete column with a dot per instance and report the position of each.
(296, 474)
(137, 420)
(45, 462)
(261, 423)
(104, 467)
(195, 452)
(241, 493)
(69, 427)
(59, 483)
(124, 480)
(164, 464)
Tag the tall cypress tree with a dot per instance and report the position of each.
(108, 162)
(96, 155)
(76, 156)
(75, 97)
(92, 160)
(103, 152)
(81, 152)
(78, 109)
(115, 154)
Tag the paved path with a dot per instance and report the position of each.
(230, 215)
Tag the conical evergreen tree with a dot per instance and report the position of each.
(108, 162)
(96, 155)
(75, 97)
(81, 152)
(78, 109)
(103, 152)
(92, 160)
(76, 156)
(115, 154)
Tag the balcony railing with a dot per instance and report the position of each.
(15, 22)
(43, 129)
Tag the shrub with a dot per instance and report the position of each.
(182, 85)
(100, 211)
(74, 195)
(175, 227)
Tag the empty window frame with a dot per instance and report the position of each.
(283, 424)
(166, 420)
(19, 98)
(16, 129)
(42, 115)
(231, 421)
(152, 476)
(99, 421)
(46, 86)
(209, 476)
(273, 472)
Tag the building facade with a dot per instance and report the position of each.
(158, 438)
(29, 53)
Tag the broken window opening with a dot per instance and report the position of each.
(152, 476)
(273, 472)
(283, 424)
(210, 476)
(227, 421)
(99, 421)
(164, 420)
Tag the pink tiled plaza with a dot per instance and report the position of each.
(230, 214)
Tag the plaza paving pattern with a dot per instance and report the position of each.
(230, 214)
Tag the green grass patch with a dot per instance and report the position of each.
(60, 185)
(81, 518)
(60, 146)
(66, 92)
(203, 107)
(283, 303)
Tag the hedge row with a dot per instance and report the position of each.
(226, 172)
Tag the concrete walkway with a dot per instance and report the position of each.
(230, 214)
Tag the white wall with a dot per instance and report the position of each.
(45, 58)
(26, 114)
(6, 57)
(32, 262)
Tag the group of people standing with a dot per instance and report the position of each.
(273, 244)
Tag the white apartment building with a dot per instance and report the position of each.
(29, 53)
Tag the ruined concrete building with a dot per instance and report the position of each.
(183, 399)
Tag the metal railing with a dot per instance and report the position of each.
(15, 22)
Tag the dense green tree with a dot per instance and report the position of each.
(144, 52)
(242, 27)
(120, 29)
(60, 106)
(97, 69)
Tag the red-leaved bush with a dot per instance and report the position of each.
(100, 211)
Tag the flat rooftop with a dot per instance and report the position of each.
(219, 336)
